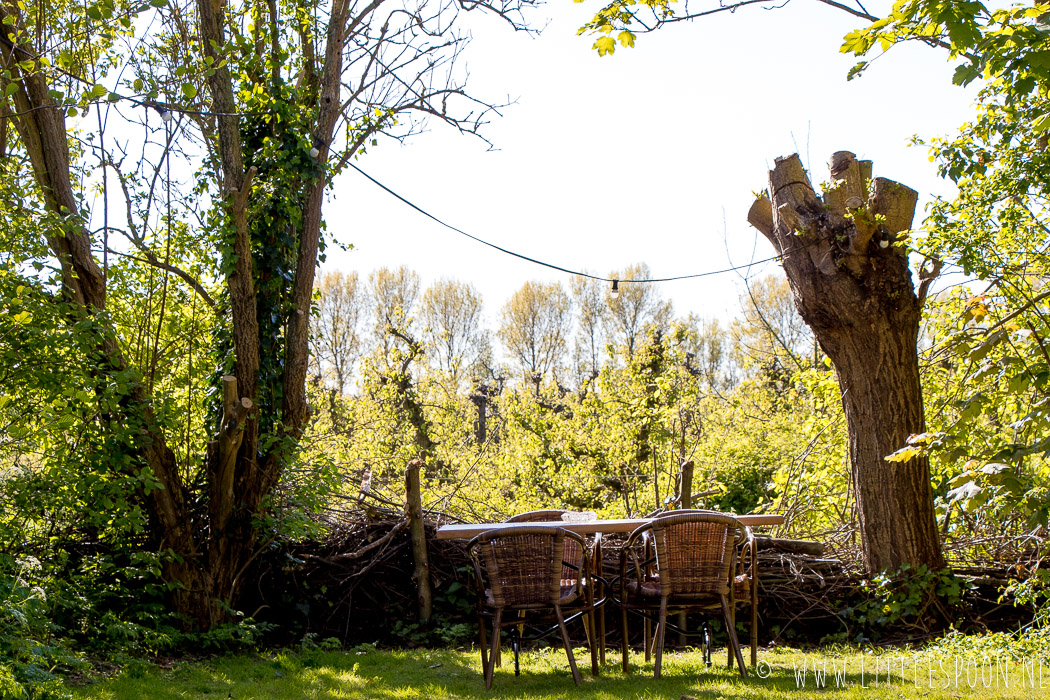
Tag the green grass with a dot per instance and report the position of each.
(440, 674)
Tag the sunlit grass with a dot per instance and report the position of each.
(440, 674)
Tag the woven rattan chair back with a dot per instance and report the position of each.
(695, 553)
(573, 554)
(519, 568)
(523, 564)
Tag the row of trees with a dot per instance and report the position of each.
(615, 445)
(544, 332)
(172, 261)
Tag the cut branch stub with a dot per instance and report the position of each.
(895, 203)
(761, 217)
(849, 189)
(856, 218)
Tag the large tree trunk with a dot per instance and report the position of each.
(853, 287)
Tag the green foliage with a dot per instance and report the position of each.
(614, 446)
(987, 367)
(618, 16)
(1031, 644)
(31, 661)
(910, 597)
(1007, 47)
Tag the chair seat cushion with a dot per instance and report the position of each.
(570, 591)
(650, 588)
(742, 588)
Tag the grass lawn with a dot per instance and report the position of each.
(369, 674)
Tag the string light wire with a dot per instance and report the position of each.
(559, 268)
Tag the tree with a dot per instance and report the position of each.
(394, 294)
(772, 334)
(706, 345)
(628, 18)
(989, 347)
(454, 330)
(280, 97)
(534, 327)
(847, 264)
(337, 338)
(637, 309)
(1006, 46)
(591, 317)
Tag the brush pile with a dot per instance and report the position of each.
(356, 586)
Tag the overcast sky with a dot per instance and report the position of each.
(651, 154)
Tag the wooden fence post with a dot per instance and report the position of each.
(414, 513)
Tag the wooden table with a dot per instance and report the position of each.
(584, 527)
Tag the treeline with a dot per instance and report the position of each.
(544, 332)
(577, 398)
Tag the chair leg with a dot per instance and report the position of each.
(625, 648)
(754, 609)
(490, 669)
(647, 629)
(732, 624)
(733, 641)
(754, 628)
(568, 645)
(588, 632)
(484, 643)
(601, 633)
(515, 644)
(521, 633)
(661, 629)
(592, 640)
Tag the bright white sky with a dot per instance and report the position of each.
(648, 155)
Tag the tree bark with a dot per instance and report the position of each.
(41, 126)
(853, 287)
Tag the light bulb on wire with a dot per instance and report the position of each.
(615, 289)
(165, 115)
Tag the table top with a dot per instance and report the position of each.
(585, 527)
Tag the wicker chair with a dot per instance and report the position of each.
(520, 569)
(572, 558)
(745, 581)
(692, 569)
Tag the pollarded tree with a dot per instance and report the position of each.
(849, 273)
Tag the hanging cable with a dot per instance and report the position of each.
(558, 267)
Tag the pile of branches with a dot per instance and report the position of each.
(812, 597)
(356, 586)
